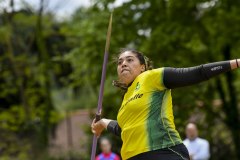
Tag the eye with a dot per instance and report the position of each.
(129, 60)
(119, 62)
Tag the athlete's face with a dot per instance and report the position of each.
(129, 67)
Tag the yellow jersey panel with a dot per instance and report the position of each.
(146, 116)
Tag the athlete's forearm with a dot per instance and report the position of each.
(114, 128)
(104, 122)
(180, 77)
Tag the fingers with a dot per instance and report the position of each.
(93, 122)
(93, 126)
(96, 128)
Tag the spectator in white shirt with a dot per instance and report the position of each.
(198, 148)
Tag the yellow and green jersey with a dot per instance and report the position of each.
(146, 116)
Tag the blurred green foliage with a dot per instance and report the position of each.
(47, 67)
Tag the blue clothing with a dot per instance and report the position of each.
(110, 156)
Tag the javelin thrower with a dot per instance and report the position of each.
(145, 119)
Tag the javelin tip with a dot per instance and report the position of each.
(109, 33)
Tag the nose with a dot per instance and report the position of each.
(124, 63)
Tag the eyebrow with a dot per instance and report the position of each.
(126, 57)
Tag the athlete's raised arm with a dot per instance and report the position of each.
(180, 77)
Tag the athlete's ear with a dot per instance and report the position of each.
(143, 68)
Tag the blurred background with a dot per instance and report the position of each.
(51, 53)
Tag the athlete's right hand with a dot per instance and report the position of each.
(97, 127)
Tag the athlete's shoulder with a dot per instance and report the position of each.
(154, 78)
(156, 70)
(153, 72)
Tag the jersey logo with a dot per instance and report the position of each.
(137, 87)
(137, 96)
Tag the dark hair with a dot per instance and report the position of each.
(143, 60)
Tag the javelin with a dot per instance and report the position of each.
(100, 97)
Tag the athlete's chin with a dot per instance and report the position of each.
(125, 74)
(126, 78)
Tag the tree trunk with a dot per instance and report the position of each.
(17, 72)
(45, 60)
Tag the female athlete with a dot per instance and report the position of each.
(145, 119)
